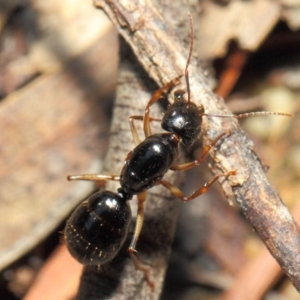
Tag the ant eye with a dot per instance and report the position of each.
(200, 109)
(178, 95)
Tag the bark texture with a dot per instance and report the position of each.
(149, 29)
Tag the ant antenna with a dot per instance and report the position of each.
(250, 114)
(186, 73)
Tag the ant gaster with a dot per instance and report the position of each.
(99, 226)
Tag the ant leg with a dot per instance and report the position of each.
(138, 227)
(139, 221)
(94, 177)
(134, 132)
(178, 193)
(133, 128)
(159, 94)
(141, 118)
(187, 166)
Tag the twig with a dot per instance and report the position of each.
(143, 26)
(119, 279)
(257, 276)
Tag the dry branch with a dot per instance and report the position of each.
(151, 35)
(119, 279)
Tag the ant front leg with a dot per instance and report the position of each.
(137, 231)
(94, 177)
(159, 94)
(178, 193)
(187, 166)
(133, 128)
(134, 132)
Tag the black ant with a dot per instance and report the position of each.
(99, 226)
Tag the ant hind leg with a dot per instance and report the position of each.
(138, 227)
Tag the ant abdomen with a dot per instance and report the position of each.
(98, 228)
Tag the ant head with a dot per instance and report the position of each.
(183, 118)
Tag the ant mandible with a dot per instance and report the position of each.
(99, 226)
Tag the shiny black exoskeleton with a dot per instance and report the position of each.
(149, 162)
(98, 228)
(183, 118)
